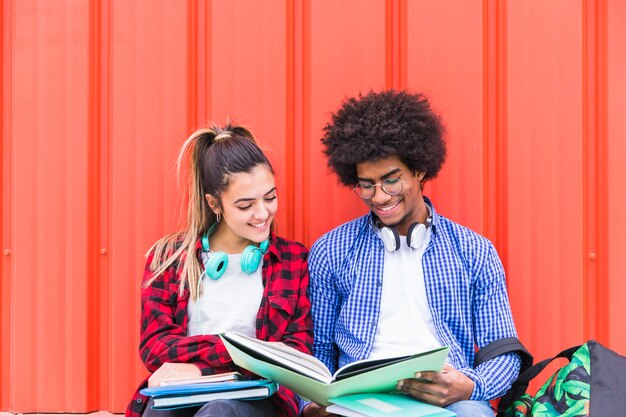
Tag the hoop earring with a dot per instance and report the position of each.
(218, 217)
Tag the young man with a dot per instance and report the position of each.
(403, 278)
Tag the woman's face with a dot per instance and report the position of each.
(248, 206)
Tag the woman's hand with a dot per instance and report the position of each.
(314, 410)
(439, 388)
(171, 370)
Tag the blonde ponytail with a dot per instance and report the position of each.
(212, 154)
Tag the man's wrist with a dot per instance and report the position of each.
(478, 390)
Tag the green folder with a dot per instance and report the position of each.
(385, 405)
(309, 378)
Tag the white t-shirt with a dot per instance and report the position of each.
(405, 324)
(228, 304)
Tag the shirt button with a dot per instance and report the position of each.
(373, 323)
(379, 283)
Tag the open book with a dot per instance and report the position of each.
(311, 379)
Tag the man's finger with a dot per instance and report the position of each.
(424, 392)
(447, 368)
(416, 387)
(426, 376)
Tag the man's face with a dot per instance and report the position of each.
(400, 210)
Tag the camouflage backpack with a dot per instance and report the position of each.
(593, 384)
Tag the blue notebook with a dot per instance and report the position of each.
(384, 405)
(190, 395)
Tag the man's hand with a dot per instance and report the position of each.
(314, 410)
(438, 388)
(170, 370)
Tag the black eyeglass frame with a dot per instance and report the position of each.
(381, 184)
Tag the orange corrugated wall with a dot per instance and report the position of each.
(98, 95)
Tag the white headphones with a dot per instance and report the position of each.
(415, 236)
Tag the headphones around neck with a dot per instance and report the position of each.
(415, 236)
(216, 264)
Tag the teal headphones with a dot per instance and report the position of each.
(216, 265)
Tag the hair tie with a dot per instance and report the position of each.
(223, 135)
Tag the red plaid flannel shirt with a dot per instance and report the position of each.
(284, 316)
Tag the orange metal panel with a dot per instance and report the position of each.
(445, 62)
(146, 124)
(343, 57)
(615, 225)
(48, 285)
(5, 197)
(545, 188)
(594, 161)
(98, 96)
(96, 307)
(247, 83)
(495, 209)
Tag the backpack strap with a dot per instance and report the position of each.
(521, 384)
(502, 346)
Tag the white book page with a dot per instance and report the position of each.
(227, 376)
(365, 365)
(292, 358)
(343, 411)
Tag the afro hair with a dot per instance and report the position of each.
(382, 124)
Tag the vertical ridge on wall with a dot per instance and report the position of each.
(192, 65)
(290, 116)
(616, 222)
(616, 152)
(205, 39)
(105, 226)
(595, 174)
(198, 71)
(199, 37)
(94, 255)
(495, 185)
(302, 119)
(99, 362)
(395, 44)
(4, 255)
(126, 118)
(5, 212)
(306, 115)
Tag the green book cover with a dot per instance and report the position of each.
(384, 405)
(308, 377)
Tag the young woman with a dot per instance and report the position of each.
(227, 271)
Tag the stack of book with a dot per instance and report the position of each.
(189, 392)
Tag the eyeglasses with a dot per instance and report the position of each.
(391, 186)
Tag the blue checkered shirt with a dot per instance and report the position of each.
(465, 287)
